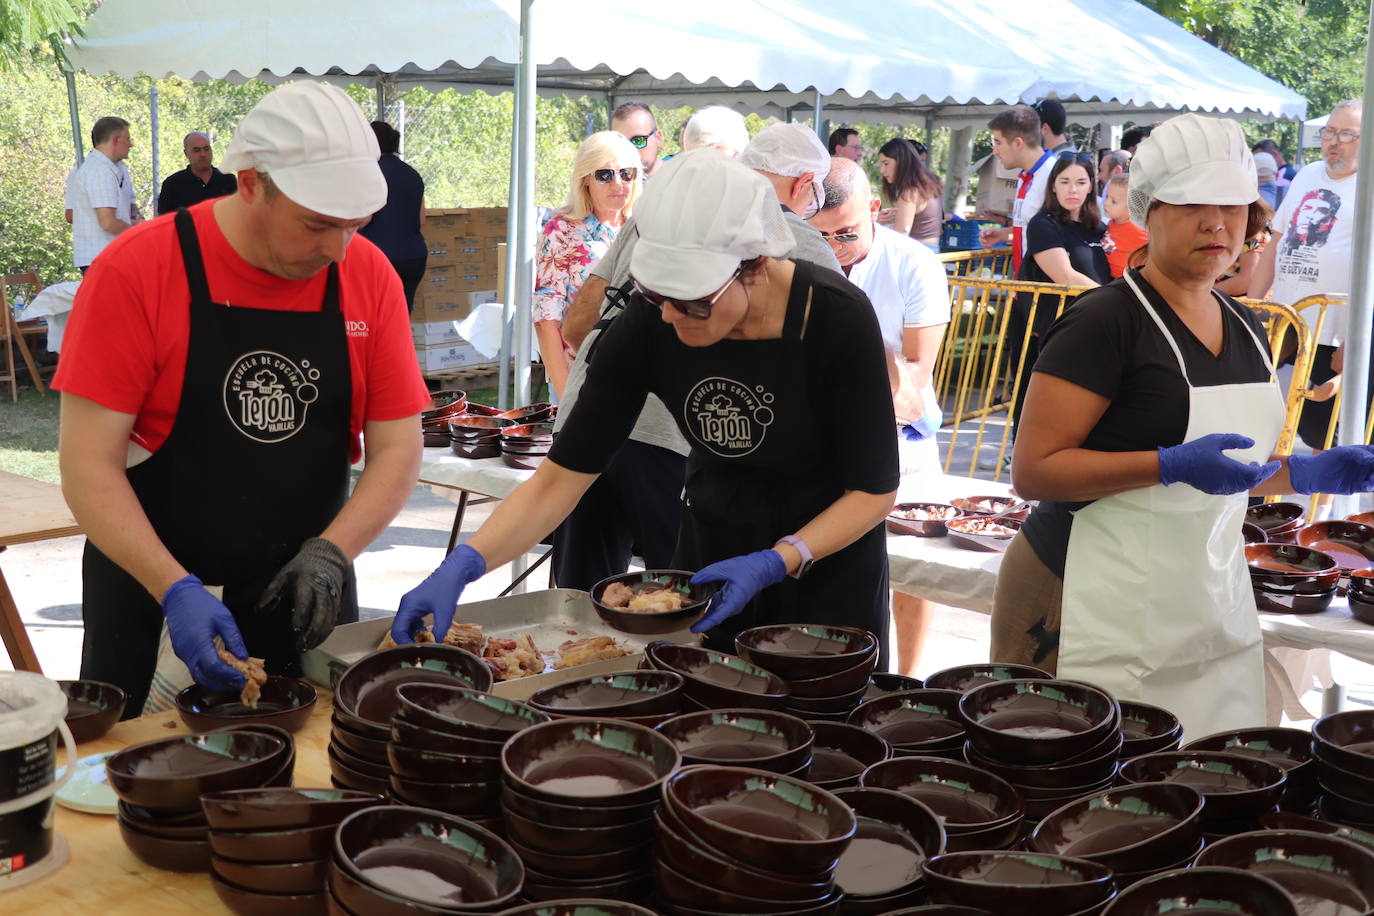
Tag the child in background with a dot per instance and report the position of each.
(1125, 235)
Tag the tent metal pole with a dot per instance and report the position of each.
(820, 116)
(1358, 314)
(508, 286)
(524, 255)
(156, 146)
(70, 80)
(381, 98)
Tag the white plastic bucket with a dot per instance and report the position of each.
(32, 709)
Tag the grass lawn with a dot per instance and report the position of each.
(28, 435)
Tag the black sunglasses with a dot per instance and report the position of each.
(699, 309)
(844, 238)
(604, 176)
(1081, 158)
(640, 141)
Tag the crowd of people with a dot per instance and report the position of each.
(703, 318)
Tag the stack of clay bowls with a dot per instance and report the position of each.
(1053, 740)
(1279, 521)
(434, 421)
(841, 752)
(979, 810)
(1136, 830)
(524, 447)
(1343, 751)
(740, 840)
(1361, 594)
(760, 738)
(1322, 873)
(1203, 890)
(159, 784)
(1020, 882)
(717, 680)
(881, 869)
(1291, 579)
(365, 700)
(1237, 790)
(1290, 749)
(645, 697)
(1146, 729)
(578, 801)
(826, 668)
(476, 436)
(412, 861)
(1350, 544)
(916, 723)
(271, 846)
(445, 748)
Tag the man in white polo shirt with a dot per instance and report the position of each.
(102, 193)
(906, 284)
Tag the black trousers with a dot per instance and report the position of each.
(634, 507)
(411, 272)
(1316, 415)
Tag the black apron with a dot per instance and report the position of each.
(257, 462)
(758, 471)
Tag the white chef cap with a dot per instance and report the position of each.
(789, 150)
(698, 219)
(1192, 160)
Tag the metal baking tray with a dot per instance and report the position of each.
(550, 617)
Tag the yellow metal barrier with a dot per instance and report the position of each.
(984, 262)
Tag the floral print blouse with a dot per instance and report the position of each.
(567, 251)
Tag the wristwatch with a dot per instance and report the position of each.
(801, 548)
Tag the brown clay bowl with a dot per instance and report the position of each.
(280, 878)
(341, 718)
(1062, 776)
(1361, 605)
(623, 693)
(1147, 729)
(966, 797)
(579, 908)
(367, 689)
(842, 704)
(281, 808)
(716, 680)
(591, 865)
(1203, 890)
(489, 447)
(1346, 739)
(1039, 883)
(1343, 809)
(931, 527)
(530, 413)
(248, 902)
(444, 404)
(880, 682)
(1030, 721)
(186, 855)
(1288, 565)
(689, 855)
(541, 811)
(1283, 820)
(938, 909)
(636, 885)
(172, 773)
(1290, 749)
(841, 752)
(483, 410)
(380, 769)
(415, 763)
(347, 895)
(591, 762)
(469, 799)
(807, 652)
(93, 707)
(1328, 874)
(1334, 778)
(764, 739)
(348, 777)
(366, 747)
(559, 838)
(765, 820)
(1128, 828)
(1350, 544)
(1298, 599)
(458, 862)
(1252, 534)
(523, 461)
(418, 737)
(146, 822)
(474, 426)
(1234, 787)
(1281, 520)
(285, 702)
(849, 682)
(895, 835)
(653, 623)
(273, 846)
(964, 678)
(706, 894)
(465, 712)
(969, 533)
(528, 434)
(913, 719)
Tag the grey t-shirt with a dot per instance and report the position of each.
(655, 425)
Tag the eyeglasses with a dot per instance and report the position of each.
(844, 238)
(1343, 136)
(1081, 158)
(604, 176)
(815, 207)
(641, 140)
(699, 309)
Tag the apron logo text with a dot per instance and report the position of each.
(266, 395)
(727, 417)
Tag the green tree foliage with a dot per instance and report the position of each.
(26, 24)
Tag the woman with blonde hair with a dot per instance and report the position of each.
(605, 183)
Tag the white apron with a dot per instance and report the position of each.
(1157, 604)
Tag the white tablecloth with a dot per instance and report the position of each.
(53, 303)
(483, 476)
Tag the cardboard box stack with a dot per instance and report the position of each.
(460, 274)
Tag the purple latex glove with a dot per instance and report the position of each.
(1202, 465)
(1345, 470)
(194, 618)
(437, 595)
(742, 578)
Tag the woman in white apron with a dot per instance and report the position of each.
(1151, 415)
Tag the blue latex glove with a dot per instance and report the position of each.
(1201, 465)
(743, 578)
(194, 618)
(437, 595)
(919, 431)
(1345, 470)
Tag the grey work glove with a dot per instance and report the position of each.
(313, 585)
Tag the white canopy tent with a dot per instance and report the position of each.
(916, 61)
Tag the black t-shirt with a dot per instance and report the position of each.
(396, 227)
(1083, 245)
(1107, 343)
(837, 434)
(184, 189)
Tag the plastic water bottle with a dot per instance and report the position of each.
(19, 306)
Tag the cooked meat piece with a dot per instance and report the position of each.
(656, 601)
(467, 636)
(617, 594)
(576, 652)
(926, 513)
(513, 657)
(424, 635)
(252, 670)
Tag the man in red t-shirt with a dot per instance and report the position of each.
(1016, 144)
(221, 370)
